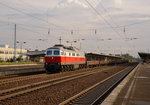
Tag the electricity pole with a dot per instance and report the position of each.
(14, 59)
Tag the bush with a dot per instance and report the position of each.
(1, 60)
(9, 60)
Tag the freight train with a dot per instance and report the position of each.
(62, 58)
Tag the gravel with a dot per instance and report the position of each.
(41, 78)
(57, 93)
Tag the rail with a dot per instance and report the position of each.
(13, 92)
(97, 93)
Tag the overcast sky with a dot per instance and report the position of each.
(107, 26)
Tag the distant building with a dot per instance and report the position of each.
(7, 53)
(145, 56)
(118, 55)
(36, 56)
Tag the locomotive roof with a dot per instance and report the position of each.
(59, 46)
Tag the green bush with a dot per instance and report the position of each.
(1, 60)
(9, 60)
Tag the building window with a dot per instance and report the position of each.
(1, 52)
(10, 52)
(6, 52)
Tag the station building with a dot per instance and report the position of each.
(145, 57)
(36, 56)
(7, 53)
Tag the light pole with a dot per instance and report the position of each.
(75, 41)
(21, 43)
(71, 42)
(81, 42)
(14, 59)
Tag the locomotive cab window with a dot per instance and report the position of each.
(56, 52)
(49, 52)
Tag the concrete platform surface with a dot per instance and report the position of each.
(135, 90)
(17, 69)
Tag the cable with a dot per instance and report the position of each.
(36, 32)
(28, 14)
(25, 25)
(33, 31)
(109, 14)
(117, 26)
(127, 25)
(102, 17)
(28, 5)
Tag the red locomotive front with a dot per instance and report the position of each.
(62, 58)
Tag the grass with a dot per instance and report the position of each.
(16, 63)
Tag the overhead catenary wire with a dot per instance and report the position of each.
(57, 29)
(40, 19)
(109, 14)
(88, 29)
(29, 5)
(70, 29)
(117, 26)
(47, 28)
(102, 17)
(135, 23)
(35, 32)
(36, 16)
(105, 19)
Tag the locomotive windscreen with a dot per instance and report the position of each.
(49, 52)
(56, 52)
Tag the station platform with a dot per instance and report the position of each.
(20, 69)
(133, 90)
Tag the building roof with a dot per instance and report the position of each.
(5, 46)
(110, 56)
(144, 56)
(32, 53)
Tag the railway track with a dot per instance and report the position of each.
(29, 77)
(21, 90)
(95, 94)
(2, 77)
(16, 79)
(13, 92)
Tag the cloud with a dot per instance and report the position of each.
(66, 3)
(75, 15)
(118, 3)
(134, 17)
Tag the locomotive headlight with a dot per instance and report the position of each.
(52, 57)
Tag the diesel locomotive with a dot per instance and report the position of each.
(62, 58)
